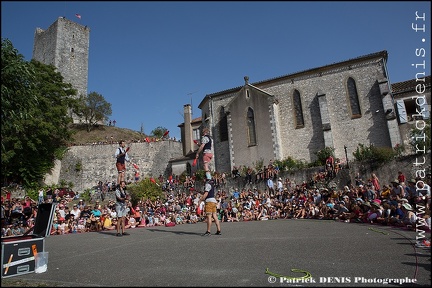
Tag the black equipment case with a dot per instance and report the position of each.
(18, 252)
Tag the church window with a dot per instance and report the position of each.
(298, 110)
(251, 127)
(223, 125)
(353, 98)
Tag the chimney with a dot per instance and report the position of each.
(187, 142)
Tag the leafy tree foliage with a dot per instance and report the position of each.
(323, 154)
(145, 189)
(159, 132)
(94, 109)
(34, 117)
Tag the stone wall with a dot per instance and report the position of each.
(85, 165)
(385, 173)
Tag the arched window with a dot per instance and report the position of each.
(251, 127)
(188, 168)
(223, 125)
(353, 98)
(298, 110)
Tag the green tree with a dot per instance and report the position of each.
(93, 110)
(159, 132)
(17, 78)
(145, 189)
(323, 154)
(34, 117)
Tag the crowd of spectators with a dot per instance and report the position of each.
(398, 203)
(110, 140)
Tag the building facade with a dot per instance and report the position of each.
(413, 105)
(340, 106)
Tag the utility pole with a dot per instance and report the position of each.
(346, 156)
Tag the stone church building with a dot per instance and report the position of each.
(340, 105)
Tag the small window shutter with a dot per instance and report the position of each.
(401, 111)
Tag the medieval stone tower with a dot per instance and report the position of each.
(65, 44)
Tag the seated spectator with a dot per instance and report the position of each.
(132, 222)
(397, 214)
(343, 212)
(410, 218)
(107, 223)
(62, 226)
(7, 231)
(247, 216)
(384, 219)
(95, 224)
(193, 218)
(81, 204)
(170, 221)
(76, 211)
(356, 213)
(81, 227)
(375, 212)
(150, 220)
(73, 225)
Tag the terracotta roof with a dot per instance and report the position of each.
(409, 85)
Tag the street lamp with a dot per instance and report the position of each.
(346, 156)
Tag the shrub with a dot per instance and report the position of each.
(323, 154)
(374, 154)
(289, 164)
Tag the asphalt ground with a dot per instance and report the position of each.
(256, 254)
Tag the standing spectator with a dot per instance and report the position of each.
(358, 180)
(270, 186)
(137, 175)
(375, 182)
(121, 208)
(49, 194)
(122, 157)
(249, 173)
(330, 166)
(40, 196)
(401, 177)
(337, 166)
(280, 186)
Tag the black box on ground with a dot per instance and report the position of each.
(18, 252)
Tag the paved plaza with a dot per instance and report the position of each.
(258, 254)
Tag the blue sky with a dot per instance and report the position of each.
(149, 59)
